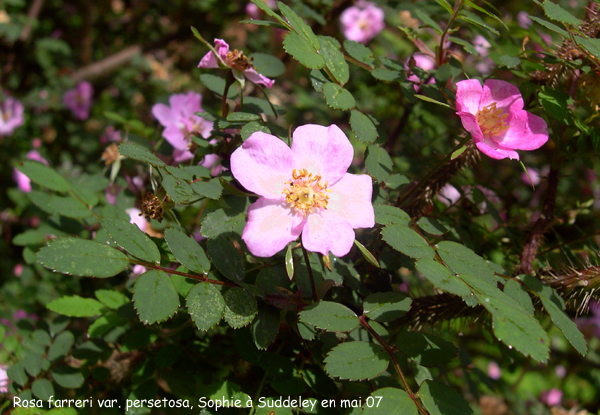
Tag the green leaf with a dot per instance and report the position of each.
(205, 305)
(566, 325)
(407, 241)
(466, 45)
(302, 51)
(129, 237)
(179, 190)
(33, 363)
(425, 349)
(363, 127)
(289, 262)
(219, 222)
(469, 17)
(337, 97)
(217, 85)
(386, 75)
(360, 52)
(211, 189)
(81, 257)
(387, 306)
(60, 346)
(330, 316)
(69, 207)
(484, 11)
(356, 361)
(317, 79)
(226, 258)
(550, 26)
(299, 25)
(264, 23)
(155, 297)
(555, 12)
(42, 389)
(389, 401)
(267, 65)
(555, 103)
(516, 291)
(334, 59)
(440, 399)
(187, 251)
(76, 306)
(43, 175)
(367, 255)
(243, 117)
(510, 61)
(265, 327)
(462, 260)
(441, 277)
(251, 128)
(379, 163)
(428, 21)
(431, 226)
(389, 215)
(112, 299)
(139, 153)
(263, 6)
(240, 307)
(433, 101)
(67, 377)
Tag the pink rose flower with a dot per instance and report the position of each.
(494, 370)
(138, 270)
(494, 116)
(524, 20)
(481, 45)
(180, 121)
(362, 22)
(136, 217)
(552, 397)
(23, 182)
(303, 190)
(4, 381)
(11, 116)
(235, 60)
(79, 100)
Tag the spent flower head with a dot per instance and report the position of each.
(495, 117)
(303, 190)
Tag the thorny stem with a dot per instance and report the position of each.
(441, 52)
(202, 278)
(389, 351)
(402, 199)
(310, 275)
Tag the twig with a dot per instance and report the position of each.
(106, 65)
(202, 278)
(32, 14)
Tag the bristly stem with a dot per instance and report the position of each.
(402, 199)
(390, 352)
(310, 275)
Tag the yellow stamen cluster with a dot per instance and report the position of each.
(237, 60)
(305, 192)
(491, 120)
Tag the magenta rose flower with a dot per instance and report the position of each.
(79, 100)
(23, 182)
(235, 60)
(303, 190)
(180, 122)
(11, 116)
(494, 116)
(362, 22)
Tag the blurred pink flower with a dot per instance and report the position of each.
(362, 22)
(253, 11)
(494, 116)
(481, 45)
(449, 195)
(494, 371)
(18, 270)
(136, 217)
(523, 19)
(552, 397)
(36, 142)
(111, 135)
(4, 381)
(424, 62)
(532, 177)
(235, 60)
(79, 100)
(111, 193)
(180, 121)
(22, 314)
(11, 116)
(138, 270)
(23, 182)
(304, 190)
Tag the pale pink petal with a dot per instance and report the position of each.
(325, 231)
(496, 152)
(176, 137)
(526, 132)
(271, 226)
(34, 155)
(350, 16)
(23, 182)
(163, 114)
(179, 156)
(209, 60)
(137, 218)
(506, 95)
(263, 164)
(321, 150)
(257, 78)
(350, 198)
(469, 121)
(468, 96)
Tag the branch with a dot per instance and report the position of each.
(34, 12)
(106, 65)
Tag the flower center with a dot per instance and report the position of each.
(491, 120)
(237, 60)
(305, 192)
(5, 115)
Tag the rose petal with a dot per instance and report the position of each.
(504, 94)
(350, 198)
(469, 121)
(263, 164)
(163, 114)
(496, 152)
(468, 96)
(176, 137)
(326, 231)
(271, 226)
(325, 151)
(526, 132)
(257, 78)
(209, 60)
